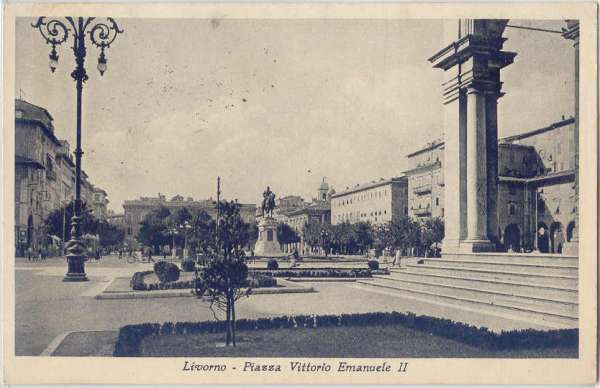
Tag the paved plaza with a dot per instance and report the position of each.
(46, 307)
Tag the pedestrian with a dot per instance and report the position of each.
(120, 254)
(29, 252)
(398, 258)
(40, 254)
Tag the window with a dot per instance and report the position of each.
(437, 201)
(511, 209)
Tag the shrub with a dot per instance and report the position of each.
(137, 281)
(257, 281)
(272, 264)
(188, 266)
(318, 273)
(373, 264)
(166, 272)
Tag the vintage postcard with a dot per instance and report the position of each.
(307, 193)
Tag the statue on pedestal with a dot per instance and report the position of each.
(268, 203)
(267, 244)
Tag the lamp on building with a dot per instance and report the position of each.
(100, 33)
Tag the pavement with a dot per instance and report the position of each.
(46, 307)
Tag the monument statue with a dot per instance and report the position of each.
(268, 203)
(267, 244)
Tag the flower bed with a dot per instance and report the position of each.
(131, 336)
(316, 272)
(137, 282)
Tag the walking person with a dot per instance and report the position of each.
(398, 259)
(29, 253)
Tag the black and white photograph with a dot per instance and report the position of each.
(314, 196)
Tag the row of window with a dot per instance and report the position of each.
(361, 197)
(349, 216)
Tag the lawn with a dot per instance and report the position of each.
(352, 341)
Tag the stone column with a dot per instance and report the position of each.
(572, 32)
(491, 140)
(476, 167)
(471, 60)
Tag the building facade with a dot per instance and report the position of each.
(136, 210)
(44, 176)
(536, 201)
(376, 202)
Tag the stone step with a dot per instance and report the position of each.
(515, 258)
(501, 275)
(514, 311)
(531, 289)
(544, 269)
(554, 306)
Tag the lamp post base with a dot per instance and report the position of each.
(76, 271)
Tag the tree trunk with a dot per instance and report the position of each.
(228, 320)
(233, 320)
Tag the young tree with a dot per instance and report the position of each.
(224, 279)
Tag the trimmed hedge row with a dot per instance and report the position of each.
(131, 336)
(317, 272)
(137, 282)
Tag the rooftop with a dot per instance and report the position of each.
(534, 132)
(370, 185)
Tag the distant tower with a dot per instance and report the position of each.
(323, 190)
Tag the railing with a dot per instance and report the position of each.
(422, 189)
(423, 212)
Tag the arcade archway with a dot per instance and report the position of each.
(512, 238)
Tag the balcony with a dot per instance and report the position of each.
(422, 212)
(422, 189)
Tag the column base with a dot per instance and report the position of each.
(76, 271)
(475, 245)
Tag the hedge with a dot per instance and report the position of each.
(131, 336)
(137, 282)
(317, 272)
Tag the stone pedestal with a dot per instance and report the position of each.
(267, 244)
(471, 62)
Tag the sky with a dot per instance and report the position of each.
(272, 102)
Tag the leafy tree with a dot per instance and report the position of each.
(312, 233)
(154, 229)
(110, 235)
(286, 234)
(60, 219)
(432, 232)
(364, 236)
(203, 234)
(223, 280)
(384, 237)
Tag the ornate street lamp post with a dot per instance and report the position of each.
(101, 34)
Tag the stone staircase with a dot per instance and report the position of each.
(541, 289)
